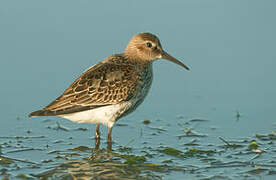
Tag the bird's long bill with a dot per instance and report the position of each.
(166, 56)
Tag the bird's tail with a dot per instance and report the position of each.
(42, 112)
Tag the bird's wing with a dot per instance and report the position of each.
(101, 85)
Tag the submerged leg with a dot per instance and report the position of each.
(109, 140)
(97, 137)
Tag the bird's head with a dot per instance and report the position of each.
(147, 47)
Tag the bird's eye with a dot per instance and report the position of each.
(149, 45)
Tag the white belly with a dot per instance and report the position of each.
(106, 115)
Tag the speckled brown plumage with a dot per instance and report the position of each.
(110, 82)
(112, 88)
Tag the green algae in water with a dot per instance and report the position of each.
(5, 161)
(23, 177)
(146, 122)
(194, 152)
(132, 159)
(82, 149)
(257, 170)
(172, 152)
(253, 145)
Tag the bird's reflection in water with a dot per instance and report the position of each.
(102, 164)
(98, 142)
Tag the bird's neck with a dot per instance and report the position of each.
(131, 57)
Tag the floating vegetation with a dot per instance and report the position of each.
(197, 152)
(253, 145)
(23, 177)
(5, 161)
(146, 122)
(198, 120)
(132, 159)
(189, 153)
(172, 152)
(82, 149)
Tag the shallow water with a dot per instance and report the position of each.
(229, 92)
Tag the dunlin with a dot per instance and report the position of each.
(112, 88)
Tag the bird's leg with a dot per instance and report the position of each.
(98, 134)
(97, 137)
(109, 140)
(109, 135)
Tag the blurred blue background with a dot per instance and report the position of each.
(229, 46)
